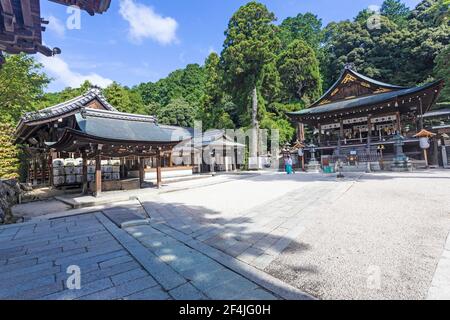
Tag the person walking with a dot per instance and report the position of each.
(288, 164)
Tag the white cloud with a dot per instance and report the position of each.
(56, 26)
(57, 68)
(145, 23)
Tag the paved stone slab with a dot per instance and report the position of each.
(122, 290)
(165, 275)
(123, 216)
(35, 260)
(187, 292)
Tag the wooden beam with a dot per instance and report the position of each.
(398, 122)
(26, 13)
(8, 15)
(98, 175)
(158, 169)
(85, 171)
(141, 172)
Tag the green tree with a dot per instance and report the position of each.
(442, 71)
(396, 11)
(53, 98)
(250, 44)
(432, 12)
(9, 153)
(213, 113)
(177, 112)
(187, 83)
(124, 99)
(299, 72)
(306, 27)
(22, 85)
(152, 108)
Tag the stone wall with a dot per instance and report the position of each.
(9, 195)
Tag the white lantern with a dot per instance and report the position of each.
(424, 143)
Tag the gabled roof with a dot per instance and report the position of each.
(352, 84)
(343, 105)
(69, 106)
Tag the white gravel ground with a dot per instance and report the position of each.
(382, 239)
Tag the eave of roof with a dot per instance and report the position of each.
(65, 108)
(362, 101)
(437, 113)
(70, 105)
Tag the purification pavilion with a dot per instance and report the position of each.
(91, 130)
(360, 118)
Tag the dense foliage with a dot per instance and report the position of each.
(22, 85)
(9, 153)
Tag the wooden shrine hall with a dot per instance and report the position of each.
(360, 116)
(86, 141)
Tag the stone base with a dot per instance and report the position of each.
(313, 166)
(401, 166)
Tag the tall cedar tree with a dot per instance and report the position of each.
(251, 43)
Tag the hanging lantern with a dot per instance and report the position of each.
(424, 138)
(424, 143)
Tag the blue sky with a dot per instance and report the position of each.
(144, 40)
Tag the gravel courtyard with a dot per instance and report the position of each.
(371, 236)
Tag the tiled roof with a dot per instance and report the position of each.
(68, 106)
(121, 126)
(361, 101)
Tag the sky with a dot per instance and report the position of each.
(144, 40)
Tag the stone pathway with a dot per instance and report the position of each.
(34, 258)
(440, 286)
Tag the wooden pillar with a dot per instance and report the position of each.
(44, 165)
(425, 156)
(98, 174)
(35, 169)
(50, 169)
(320, 134)
(434, 143)
(85, 172)
(421, 114)
(141, 172)
(398, 123)
(158, 169)
(300, 132)
(122, 168)
(369, 131)
(170, 160)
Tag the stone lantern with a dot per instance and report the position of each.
(313, 165)
(401, 162)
